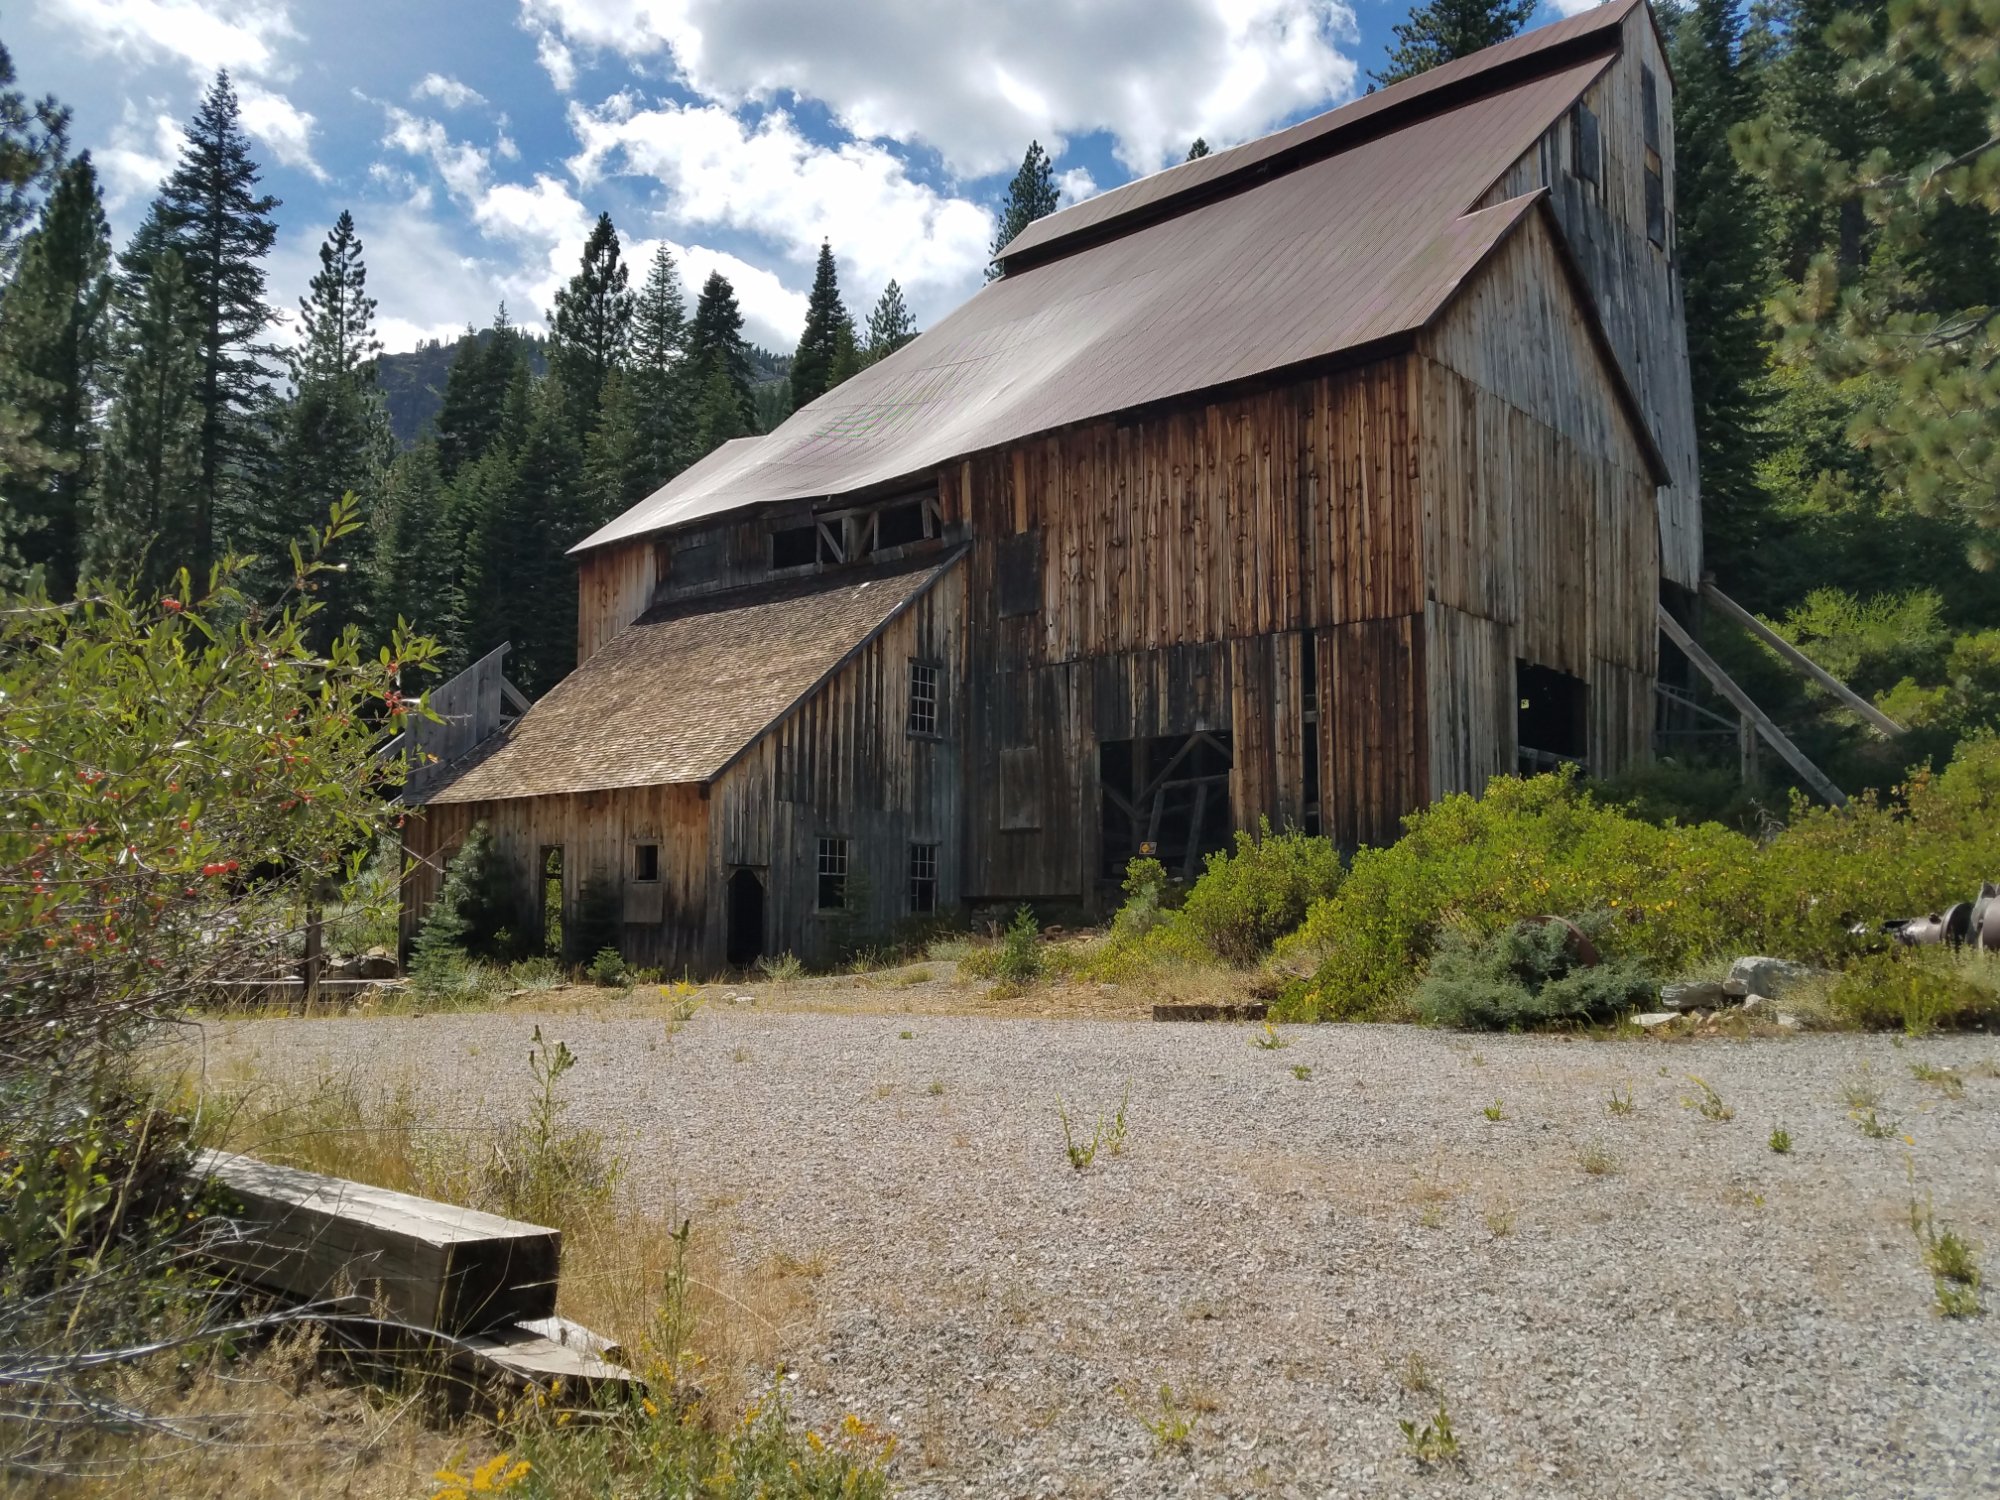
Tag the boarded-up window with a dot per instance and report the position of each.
(923, 698)
(794, 547)
(1020, 574)
(1583, 142)
(1656, 201)
(1649, 106)
(923, 879)
(832, 872)
(1020, 789)
(645, 900)
(696, 565)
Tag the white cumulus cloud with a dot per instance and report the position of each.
(447, 90)
(241, 35)
(281, 125)
(978, 82)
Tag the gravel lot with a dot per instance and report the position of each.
(1707, 1318)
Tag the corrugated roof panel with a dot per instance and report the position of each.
(1360, 246)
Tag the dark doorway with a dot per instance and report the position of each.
(746, 919)
(552, 900)
(1165, 798)
(1552, 725)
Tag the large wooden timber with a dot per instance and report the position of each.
(369, 1250)
(1804, 664)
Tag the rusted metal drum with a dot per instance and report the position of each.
(1946, 929)
(1985, 934)
(1583, 952)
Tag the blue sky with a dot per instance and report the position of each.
(475, 140)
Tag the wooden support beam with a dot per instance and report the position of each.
(1724, 684)
(372, 1251)
(1799, 661)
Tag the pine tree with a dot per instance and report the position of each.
(718, 363)
(1031, 195)
(1902, 287)
(54, 332)
(617, 466)
(211, 214)
(519, 585)
(658, 387)
(143, 517)
(415, 571)
(1719, 225)
(890, 325)
(828, 331)
(1198, 150)
(1440, 30)
(34, 142)
(592, 324)
(475, 391)
(332, 436)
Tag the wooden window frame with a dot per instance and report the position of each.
(926, 701)
(831, 862)
(640, 847)
(1586, 145)
(923, 892)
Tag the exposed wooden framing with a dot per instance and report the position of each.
(1797, 659)
(1752, 714)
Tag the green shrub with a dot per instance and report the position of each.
(1669, 791)
(1675, 893)
(1919, 992)
(1020, 953)
(607, 968)
(474, 911)
(1245, 901)
(1526, 975)
(1145, 900)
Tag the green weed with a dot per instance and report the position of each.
(1597, 1161)
(1433, 1443)
(1620, 1103)
(1781, 1140)
(1172, 1422)
(1947, 1081)
(1494, 1111)
(1951, 1261)
(1707, 1102)
(1269, 1039)
(1302, 1071)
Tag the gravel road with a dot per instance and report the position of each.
(1703, 1318)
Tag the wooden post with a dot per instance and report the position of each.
(315, 954)
(1802, 663)
(1724, 684)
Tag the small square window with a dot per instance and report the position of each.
(795, 547)
(923, 879)
(923, 698)
(832, 874)
(645, 862)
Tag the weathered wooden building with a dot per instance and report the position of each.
(1309, 480)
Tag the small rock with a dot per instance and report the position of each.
(1756, 1004)
(1787, 1023)
(1702, 994)
(1735, 989)
(1653, 1018)
(1772, 976)
(376, 963)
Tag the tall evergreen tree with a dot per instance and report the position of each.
(1719, 225)
(1441, 30)
(658, 390)
(415, 573)
(890, 324)
(212, 215)
(143, 516)
(333, 434)
(592, 325)
(719, 364)
(53, 346)
(617, 467)
(828, 338)
(475, 393)
(34, 141)
(1031, 195)
(519, 585)
(1197, 150)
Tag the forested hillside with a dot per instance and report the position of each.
(1835, 236)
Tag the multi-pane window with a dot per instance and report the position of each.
(645, 862)
(923, 879)
(923, 698)
(832, 874)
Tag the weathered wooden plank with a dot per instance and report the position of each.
(1799, 660)
(368, 1249)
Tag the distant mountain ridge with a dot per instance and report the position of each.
(412, 381)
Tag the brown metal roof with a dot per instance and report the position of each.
(1342, 252)
(1591, 33)
(687, 687)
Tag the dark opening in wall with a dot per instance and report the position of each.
(1552, 725)
(795, 547)
(899, 525)
(1165, 798)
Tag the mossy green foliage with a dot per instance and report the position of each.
(1919, 991)
(1528, 974)
(1673, 893)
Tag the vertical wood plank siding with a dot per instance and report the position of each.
(613, 587)
(1632, 280)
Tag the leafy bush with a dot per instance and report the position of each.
(1020, 952)
(1145, 900)
(1526, 975)
(1674, 893)
(607, 968)
(1919, 991)
(1245, 901)
(783, 968)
